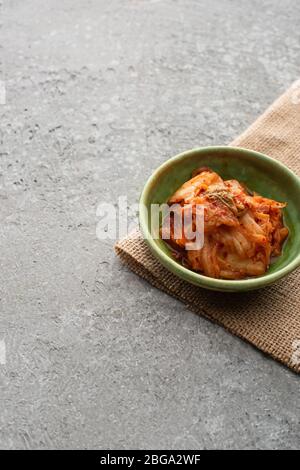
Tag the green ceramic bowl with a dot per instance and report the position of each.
(260, 173)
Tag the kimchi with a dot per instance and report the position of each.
(243, 231)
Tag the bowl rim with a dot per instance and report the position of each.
(192, 276)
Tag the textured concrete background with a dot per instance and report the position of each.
(99, 93)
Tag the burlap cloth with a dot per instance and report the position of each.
(268, 318)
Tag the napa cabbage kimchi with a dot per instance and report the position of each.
(243, 231)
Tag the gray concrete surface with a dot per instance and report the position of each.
(98, 94)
